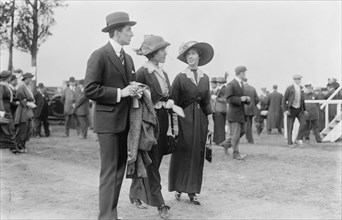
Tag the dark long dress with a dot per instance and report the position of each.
(149, 189)
(275, 113)
(6, 130)
(186, 165)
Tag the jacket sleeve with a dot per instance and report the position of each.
(256, 97)
(21, 96)
(175, 91)
(284, 100)
(94, 88)
(2, 106)
(231, 98)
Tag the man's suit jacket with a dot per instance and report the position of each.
(104, 75)
(251, 108)
(289, 97)
(236, 110)
(81, 104)
(68, 99)
(41, 111)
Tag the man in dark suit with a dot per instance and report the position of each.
(82, 110)
(236, 112)
(250, 109)
(41, 111)
(294, 107)
(107, 82)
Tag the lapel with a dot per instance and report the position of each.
(238, 87)
(129, 67)
(116, 61)
(151, 74)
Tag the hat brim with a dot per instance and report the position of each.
(109, 27)
(166, 44)
(206, 56)
(27, 78)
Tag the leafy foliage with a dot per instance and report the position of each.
(6, 8)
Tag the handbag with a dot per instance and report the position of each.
(209, 147)
(171, 138)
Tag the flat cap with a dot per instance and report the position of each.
(297, 76)
(240, 69)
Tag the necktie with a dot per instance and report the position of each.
(195, 74)
(122, 57)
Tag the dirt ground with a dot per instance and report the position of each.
(58, 179)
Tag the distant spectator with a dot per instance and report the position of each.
(312, 116)
(262, 108)
(250, 109)
(13, 86)
(69, 100)
(41, 111)
(332, 107)
(275, 113)
(82, 110)
(220, 109)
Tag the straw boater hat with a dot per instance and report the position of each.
(26, 76)
(5, 74)
(151, 44)
(220, 80)
(207, 51)
(117, 19)
(297, 76)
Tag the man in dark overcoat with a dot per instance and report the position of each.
(107, 82)
(41, 111)
(250, 109)
(236, 112)
(275, 113)
(82, 110)
(294, 107)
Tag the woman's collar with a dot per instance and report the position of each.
(151, 67)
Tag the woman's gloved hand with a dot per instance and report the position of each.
(169, 103)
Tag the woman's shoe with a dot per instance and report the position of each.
(164, 211)
(138, 203)
(194, 199)
(178, 195)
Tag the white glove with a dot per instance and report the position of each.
(169, 103)
(213, 96)
(2, 114)
(31, 105)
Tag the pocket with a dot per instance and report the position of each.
(104, 108)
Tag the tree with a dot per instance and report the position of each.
(6, 28)
(34, 25)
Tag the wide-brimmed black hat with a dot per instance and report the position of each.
(117, 19)
(207, 51)
(5, 74)
(26, 76)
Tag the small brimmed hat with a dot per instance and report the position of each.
(5, 74)
(72, 79)
(213, 80)
(308, 86)
(297, 76)
(40, 85)
(220, 80)
(151, 44)
(26, 76)
(117, 19)
(207, 51)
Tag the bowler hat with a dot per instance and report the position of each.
(26, 76)
(213, 80)
(207, 51)
(297, 76)
(240, 69)
(275, 86)
(117, 19)
(220, 80)
(72, 79)
(81, 82)
(151, 44)
(40, 85)
(5, 74)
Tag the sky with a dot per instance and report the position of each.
(273, 39)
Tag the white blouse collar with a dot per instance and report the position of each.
(191, 76)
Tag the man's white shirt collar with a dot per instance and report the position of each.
(116, 46)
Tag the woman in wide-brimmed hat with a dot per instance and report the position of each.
(191, 91)
(7, 131)
(149, 189)
(24, 113)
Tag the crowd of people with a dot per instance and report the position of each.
(134, 115)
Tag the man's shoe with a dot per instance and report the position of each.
(178, 195)
(238, 157)
(138, 203)
(299, 143)
(163, 211)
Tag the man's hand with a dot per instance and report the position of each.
(2, 114)
(129, 90)
(243, 98)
